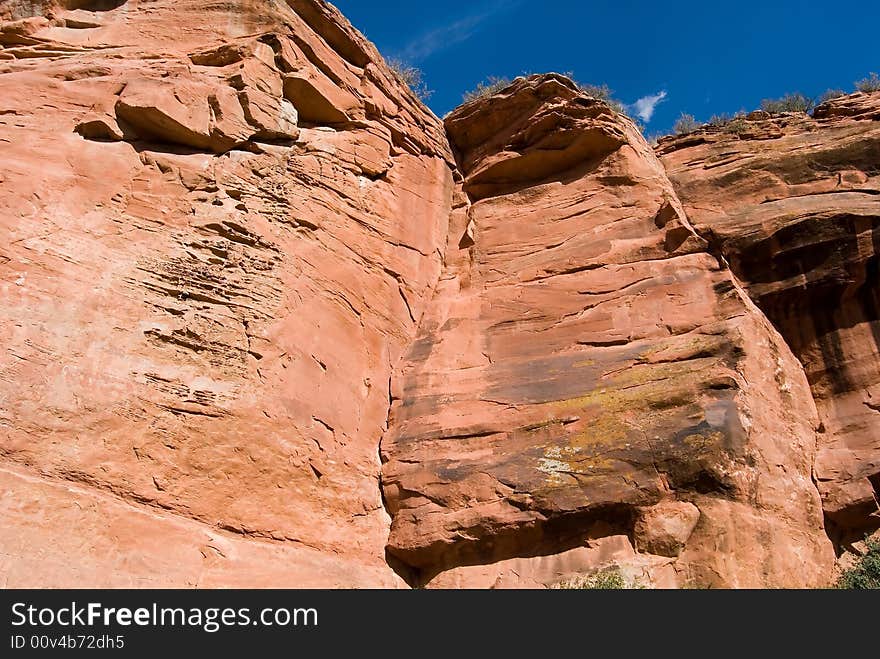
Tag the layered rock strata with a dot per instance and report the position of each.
(222, 222)
(269, 322)
(792, 204)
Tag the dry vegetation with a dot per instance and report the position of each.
(411, 76)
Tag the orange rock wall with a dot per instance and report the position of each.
(218, 241)
(793, 205)
(588, 372)
(267, 321)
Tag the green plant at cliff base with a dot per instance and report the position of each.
(608, 579)
(864, 575)
(410, 76)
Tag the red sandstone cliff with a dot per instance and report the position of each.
(792, 205)
(217, 243)
(590, 383)
(268, 322)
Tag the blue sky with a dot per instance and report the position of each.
(697, 57)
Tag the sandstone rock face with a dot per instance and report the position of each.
(267, 321)
(216, 244)
(793, 205)
(584, 358)
(665, 529)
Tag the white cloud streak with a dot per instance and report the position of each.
(645, 106)
(456, 32)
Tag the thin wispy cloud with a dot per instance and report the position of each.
(645, 106)
(451, 34)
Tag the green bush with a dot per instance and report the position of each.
(865, 575)
(602, 92)
(789, 103)
(869, 84)
(607, 579)
(410, 76)
(685, 124)
(488, 87)
(718, 120)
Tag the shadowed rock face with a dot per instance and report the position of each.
(794, 207)
(266, 321)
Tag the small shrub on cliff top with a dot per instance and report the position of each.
(410, 76)
(654, 138)
(869, 84)
(685, 124)
(603, 93)
(830, 95)
(488, 87)
(788, 103)
(865, 575)
(734, 124)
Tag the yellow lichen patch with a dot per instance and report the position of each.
(648, 373)
(534, 427)
(703, 442)
(562, 463)
(637, 390)
(605, 431)
(618, 416)
(587, 453)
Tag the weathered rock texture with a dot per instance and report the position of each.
(216, 242)
(586, 363)
(793, 205)
(267, 321)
